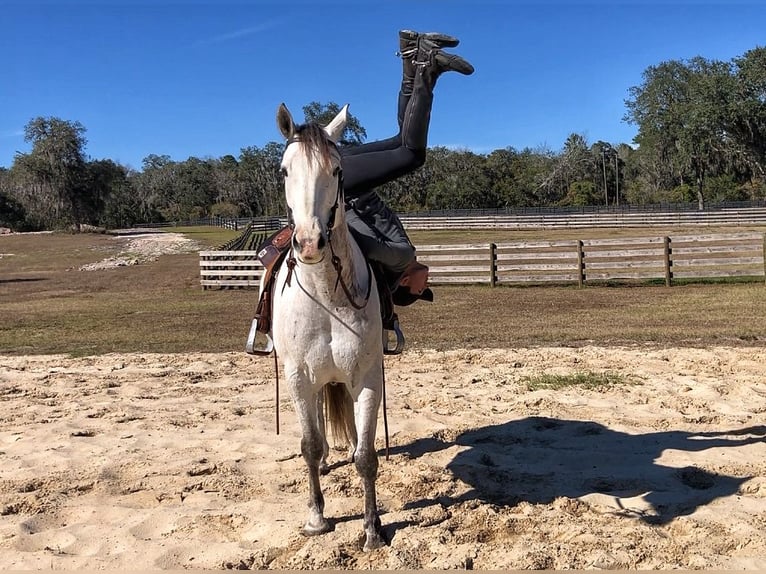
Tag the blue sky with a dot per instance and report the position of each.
(204, 79)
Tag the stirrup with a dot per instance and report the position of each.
(263, 345)
(397, 350)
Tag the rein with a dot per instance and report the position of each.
(338, 265)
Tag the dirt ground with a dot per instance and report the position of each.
(172, 461)
(149, 461)
(142, 246)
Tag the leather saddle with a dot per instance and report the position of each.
(410, 287)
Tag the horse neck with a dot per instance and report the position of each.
(343, 246)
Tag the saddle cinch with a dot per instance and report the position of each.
(273, 252)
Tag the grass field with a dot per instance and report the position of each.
(48, 306)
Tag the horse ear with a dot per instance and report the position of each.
(285, 122)
(335, 128)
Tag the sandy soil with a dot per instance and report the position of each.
(172, 461)
(138, 246)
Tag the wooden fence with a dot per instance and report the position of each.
(230, 269)
(567, 261)
(551, 220)
(730, 214)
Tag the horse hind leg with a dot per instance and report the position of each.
(366, 460)
(351, 433)
(320, 422)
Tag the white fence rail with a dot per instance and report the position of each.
(563, 261)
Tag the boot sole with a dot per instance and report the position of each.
(443, 40)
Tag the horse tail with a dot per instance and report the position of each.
(337, 411)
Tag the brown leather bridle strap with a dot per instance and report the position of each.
(338, 265)
(291, 263)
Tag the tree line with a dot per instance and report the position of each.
(701, 138)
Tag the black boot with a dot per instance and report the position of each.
(434, 62)
(430, 64)
(408, 51)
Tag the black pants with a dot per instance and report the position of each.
(376, 228)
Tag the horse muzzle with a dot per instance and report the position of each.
(309, 247)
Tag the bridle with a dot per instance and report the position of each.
(335, 260)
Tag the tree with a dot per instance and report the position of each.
(152, 186)
(11, 211)
(747, 119)
(582, 193)
(574, 163)
(52, 175)
(324, 113)
(262, 190)
(114, 201)
(229, 200)
(500, 168)
(462, 182)
(680, 111)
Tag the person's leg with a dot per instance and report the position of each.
(378, 164)
(370, 147)
(363, 172)
(376, 228)
(408, 51)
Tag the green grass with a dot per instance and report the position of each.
(584, 380)
(48, 306)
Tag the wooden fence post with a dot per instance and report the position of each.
(492, 264)
(580, 264)
(668, 262)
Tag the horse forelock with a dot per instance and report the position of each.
(314, 140)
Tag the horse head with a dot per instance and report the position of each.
(313, 181)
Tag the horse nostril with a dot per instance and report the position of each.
(321, 243)
(297, 244)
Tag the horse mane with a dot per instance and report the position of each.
(314, 139)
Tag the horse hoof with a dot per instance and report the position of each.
(374, 542)
(321, 527)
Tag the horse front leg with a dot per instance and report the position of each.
(366, 460)
(313, 450)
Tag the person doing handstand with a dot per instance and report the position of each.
(375, 227)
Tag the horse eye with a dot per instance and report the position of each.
(336, 171)
(283, 171)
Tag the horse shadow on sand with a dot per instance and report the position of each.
(539, 459)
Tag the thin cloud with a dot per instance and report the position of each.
(11, 133)
(235, 34)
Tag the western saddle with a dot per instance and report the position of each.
(411, 287)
